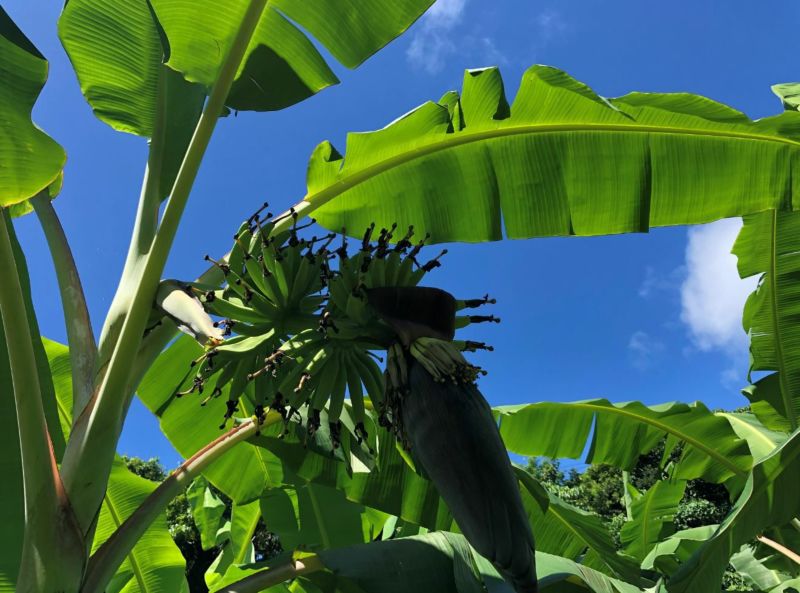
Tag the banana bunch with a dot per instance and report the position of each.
(299, 324)
(304, 321)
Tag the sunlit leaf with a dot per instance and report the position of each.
(31, 160)
(768, 499)
(769, 244)
(560, 160)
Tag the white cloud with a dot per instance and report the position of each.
(437, 38)
(550, 25)
(445, 14)
(713, 295)
(432, 43)
(644, 350)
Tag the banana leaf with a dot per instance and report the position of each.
(769, 499)
(559, 160)
(769, 244)
(23, 71)
(713, 450)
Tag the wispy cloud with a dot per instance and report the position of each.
(432, 43)
(441, 35)
(713, 295)
(655, 282)
(550, 25)
(644, 350)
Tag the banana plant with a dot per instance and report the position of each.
(327, 463)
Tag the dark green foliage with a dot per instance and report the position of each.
(598, 489)
(185, 533)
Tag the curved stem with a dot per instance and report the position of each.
(98, 428)
(269, 577)
(109, 557)
(82, 347)
(793, 556)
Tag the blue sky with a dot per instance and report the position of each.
(651, 317)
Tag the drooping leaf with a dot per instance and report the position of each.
(560, 160)
(652, 518)
(116, 50)
(667, 555)
(552, 429)
(282, 66)
(769, 244)
(761, 440)
(565, 530)
(753, 570)
(31, 160)
(768, 499)
(207, 511)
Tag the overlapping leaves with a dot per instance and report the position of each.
(769, 499)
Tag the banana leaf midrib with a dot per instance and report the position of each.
(453, 140)
(137, 571)
(611, 409)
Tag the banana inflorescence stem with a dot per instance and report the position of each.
(108, 558)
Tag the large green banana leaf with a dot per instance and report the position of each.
(769, 244)
(116, 50)
(281, 66)
(560, 160)
(713, 451)
(768, 500)
(31, 160)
